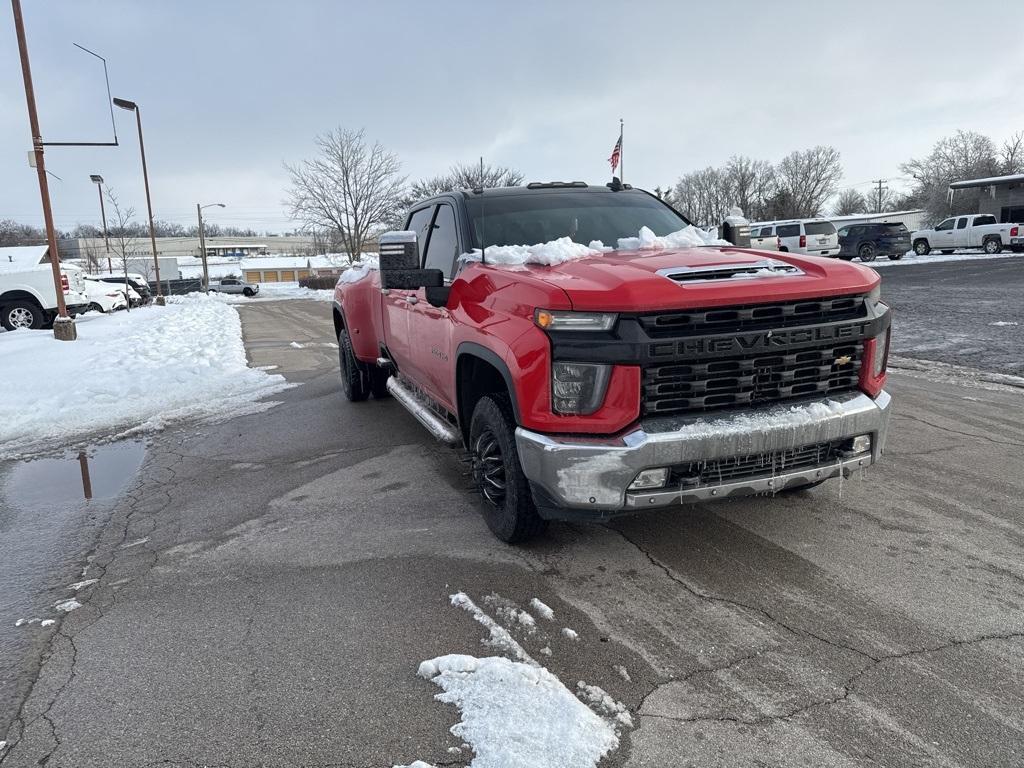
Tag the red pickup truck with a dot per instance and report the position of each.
(616, 379)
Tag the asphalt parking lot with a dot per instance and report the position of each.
(268, 585)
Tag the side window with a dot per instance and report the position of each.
(844, 231)
(766, 231)
(947, 224)
(419, 222)
(979, 220)
(789, 230)
(444, 242)
(961, 223)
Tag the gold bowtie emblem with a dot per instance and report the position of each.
(843, 360)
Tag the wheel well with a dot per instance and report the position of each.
(19, 296)
(784, 249)
(475, 378)
(339, 322)
(986, 238)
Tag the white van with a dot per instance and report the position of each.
(815, 237)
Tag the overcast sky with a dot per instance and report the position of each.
(231, 90)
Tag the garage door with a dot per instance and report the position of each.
(288, 276)
(303, 273)
(269, 277)
(252, 277)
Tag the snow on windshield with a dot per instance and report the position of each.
(564, 249)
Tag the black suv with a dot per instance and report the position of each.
(868, 241)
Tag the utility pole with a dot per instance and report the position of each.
(202, 242)
(63, 327)
(879, 182)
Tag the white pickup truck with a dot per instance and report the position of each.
(977, 231)
(27, 295)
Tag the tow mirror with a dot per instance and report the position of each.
(400, 263)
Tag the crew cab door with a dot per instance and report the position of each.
(962, 233)
(432, 355)
(397, 304)
(944, 236)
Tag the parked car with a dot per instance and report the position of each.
(815, 237)
(974, 231)
(136, 283)
(234, 285)
(764, 238)
(103, 296)
(28, 298)
(619, 381)
(871, 240)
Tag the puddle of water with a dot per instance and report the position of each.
(96, 474)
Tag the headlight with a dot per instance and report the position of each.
(578, 388)
(881, 353)
(876, 294)
(562, 320)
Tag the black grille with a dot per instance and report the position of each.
(751, 379)
(733, 468)
(753, 317)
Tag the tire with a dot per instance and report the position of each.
(992, 246)
(947, 251)
(248, 292)
(353, 377)
(22, 314)
(921, 248)
(94, 307)
(867, 252)
(506, 501)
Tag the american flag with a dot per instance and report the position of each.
(614, 159)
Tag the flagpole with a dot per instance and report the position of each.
(622, 154)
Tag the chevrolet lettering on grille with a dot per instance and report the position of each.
(763, 340)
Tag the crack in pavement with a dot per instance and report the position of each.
(975, 435)
(847, 687)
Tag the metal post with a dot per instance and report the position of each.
(64, 327)
(106, 239)
(202, 250)
(622, 152)
(83, 462)
(149, 207)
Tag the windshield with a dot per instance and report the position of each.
(819, 228)
(530, 218)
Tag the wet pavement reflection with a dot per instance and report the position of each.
(51, 510)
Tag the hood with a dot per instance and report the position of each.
(684, 278)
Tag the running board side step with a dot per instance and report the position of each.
(437, 426)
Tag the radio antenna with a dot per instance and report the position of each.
(483, 239)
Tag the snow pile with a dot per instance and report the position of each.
(67, 606)
(689, 237)
(563, 249)
(130, 372)
(517, 715)
(542, 610)
(600, 699)
(360, 269)
(572, 634)
(499, 636)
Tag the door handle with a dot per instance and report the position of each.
(412, 298)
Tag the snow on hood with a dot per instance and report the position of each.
(563, 249)
(360, 269)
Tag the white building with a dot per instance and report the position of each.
(912, 220)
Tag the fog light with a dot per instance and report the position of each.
(859, 444)
(650, 478)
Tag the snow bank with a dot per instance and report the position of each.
(517, 715)
(268, 292)
(938, 258)
(127, 373)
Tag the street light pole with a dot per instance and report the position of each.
(63, 327)
(98, 181)
(202, 243)
(131, 106)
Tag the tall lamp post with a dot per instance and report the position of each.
(64, 326)
(131, 106)
(202, 242)
(98, 181)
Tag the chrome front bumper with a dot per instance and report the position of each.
(580, 477)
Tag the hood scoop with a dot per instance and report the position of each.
(717, 273)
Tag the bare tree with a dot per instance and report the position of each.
(349, 188)
(704, 197)
(964, 155)
(13, 233)
(1011, 154)
(459, 176)
(752, 183)
(808, 179)
(850, 201)
(123, 237)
